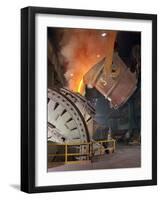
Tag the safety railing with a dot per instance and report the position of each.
(87, 153)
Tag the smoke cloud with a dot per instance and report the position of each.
(81, 49)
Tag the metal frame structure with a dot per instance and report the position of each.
(89, 150)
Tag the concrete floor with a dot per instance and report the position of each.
(125, 156)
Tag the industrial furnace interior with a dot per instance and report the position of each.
(94, 99)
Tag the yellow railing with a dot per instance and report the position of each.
(88, 153)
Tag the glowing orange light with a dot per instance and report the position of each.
(81, 87)
(82, 56)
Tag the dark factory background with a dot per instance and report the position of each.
(128, 117)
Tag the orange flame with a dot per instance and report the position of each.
(81, 87)
(83, 49)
